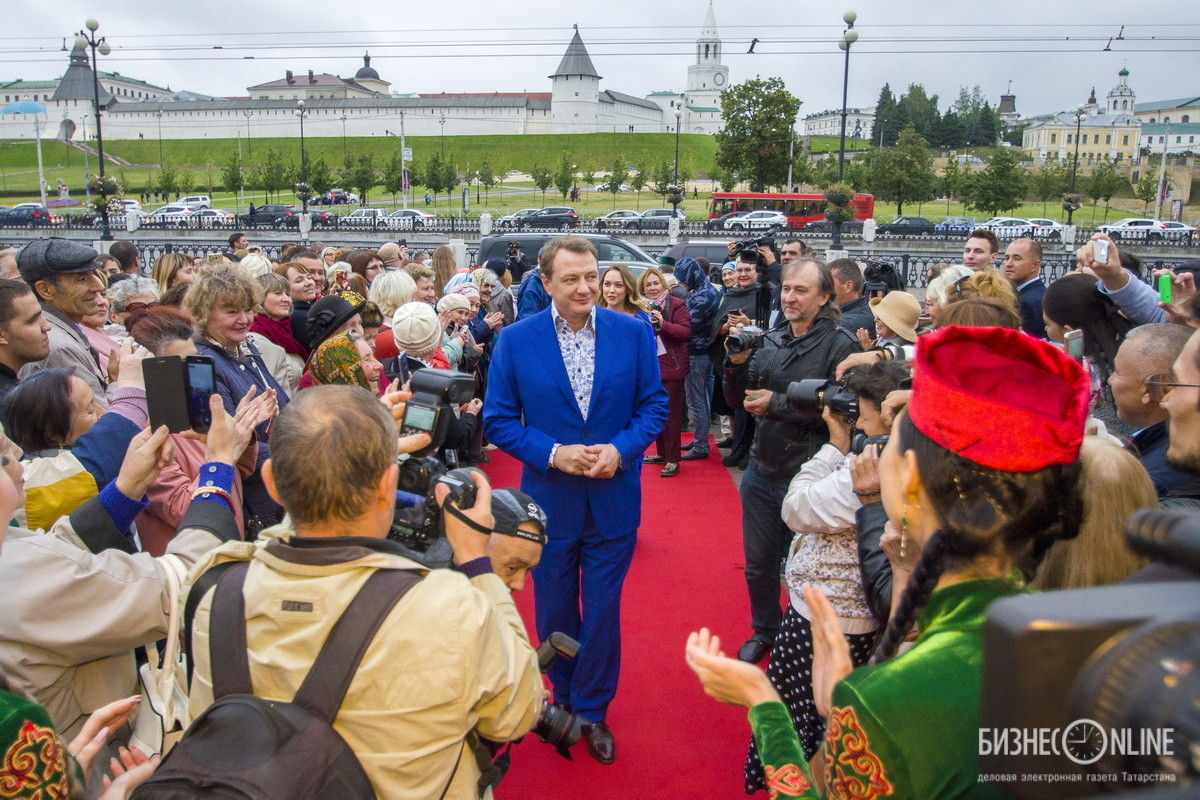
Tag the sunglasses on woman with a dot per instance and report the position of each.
(135, 307)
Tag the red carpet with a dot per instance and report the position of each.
(672, 739)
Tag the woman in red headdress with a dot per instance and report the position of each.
(979, 478)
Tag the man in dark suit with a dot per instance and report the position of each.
(1023, 266)
(574, 393)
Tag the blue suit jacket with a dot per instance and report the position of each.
(530, 406)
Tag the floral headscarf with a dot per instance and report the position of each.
(337, 362)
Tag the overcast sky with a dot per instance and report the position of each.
(1051, 50)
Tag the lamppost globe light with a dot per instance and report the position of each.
(843, 45)
(849, 17)
(92, 25)
(851, 36)
(1082, 117)
(1080, 107)
(104, 48)
(81, 41)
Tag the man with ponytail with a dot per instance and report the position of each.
(980, 477)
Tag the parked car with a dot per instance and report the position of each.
(267, 216)
(655, 219)
(1177, 231)
(25, 216)
(715, 250)
(614, 219)
(512, 220)
(849, 227)
(907, 226)
(956, 226)
(758, 221)
(364, 218)
(406, 219)
(718, 223)
(1048, 229)
(334, 197)
(213, 217)
(561, 217)
(611, 248)
(624, 188)
(169, 216)
(1138, 229)
(197, 201)
(1010, 227)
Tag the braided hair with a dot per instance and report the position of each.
(982, 511)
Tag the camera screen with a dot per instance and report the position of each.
(201, 381)
(419, 417)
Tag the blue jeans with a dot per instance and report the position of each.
(695, 386)
(765, 541)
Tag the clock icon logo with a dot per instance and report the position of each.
(1084, 741)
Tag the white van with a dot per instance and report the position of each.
(197, 201)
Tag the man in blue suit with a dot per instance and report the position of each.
(574, 392)
(1023, 266)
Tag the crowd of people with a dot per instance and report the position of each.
(899, 468)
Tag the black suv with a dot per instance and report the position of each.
(610, 247)
(555, 217)
(267, 216)
(656, 219)
(24, 217)
(907, 226)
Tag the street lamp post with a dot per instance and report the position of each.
(345, 147)
(302, 112)
(675, 194)
(90, 41)
(249, 148)
(848, 38)
(160, 147)
(443, 121)
(1079, 118)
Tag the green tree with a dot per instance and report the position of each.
(1048, 181)
(759, 117)
(618, 174)
(487, 177)
(919, 110)
(638, 181)
(564, 176)
(1146, 189)
(232, 177)
(663, 179)
(904, 173)
(543, 179)
(393, 176)
(450, 178)
(1103, 183)
(187, 182)
(588, 176)
(274, 173)
(951, 181)
(362, 176)
(320, 178)
(168, 179)
(885, 111)
(998, 187)
(823, 171)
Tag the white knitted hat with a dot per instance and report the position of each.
(417, 329)
(453, 301)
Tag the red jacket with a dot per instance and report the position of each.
(675, 331)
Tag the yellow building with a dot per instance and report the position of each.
(1105, 133)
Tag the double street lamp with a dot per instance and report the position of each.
(302, 187)
(676, 195)
(1071, 203)
(849, 37)
(90, 41)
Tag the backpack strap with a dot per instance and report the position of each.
(325, 686)
(207, 580)
(228, 659)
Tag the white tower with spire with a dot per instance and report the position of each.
(708, 77)
(575, 91)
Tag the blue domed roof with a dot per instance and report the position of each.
(367, 72)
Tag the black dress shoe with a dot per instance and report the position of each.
(600, 742)
(654, 460)
(735, 458)
(686, 447)
(692, 455)
(754, 649)
(726, 442)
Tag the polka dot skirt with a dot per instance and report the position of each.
(790, 670)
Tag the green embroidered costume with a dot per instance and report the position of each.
(35, 761)
(905, 729)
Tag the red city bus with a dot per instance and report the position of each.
(801, 209)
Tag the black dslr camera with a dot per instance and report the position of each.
(1099, 688)
(418, 520)
(751, 338)
(557, 726)
(748, 249)
(811, 395)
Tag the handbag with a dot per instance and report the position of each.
(162, 716)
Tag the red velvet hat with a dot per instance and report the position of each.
(999, 397)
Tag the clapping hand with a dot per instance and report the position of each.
(723, 678)
(864, 339)
(149, 452)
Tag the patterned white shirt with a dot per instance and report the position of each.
(579, 356)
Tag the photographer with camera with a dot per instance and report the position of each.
(977, 502)
(820, 508)
(758, 369)
(449, 660)
(738, 307)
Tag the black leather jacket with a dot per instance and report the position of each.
(783, 439)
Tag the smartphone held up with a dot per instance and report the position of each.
(178, 392)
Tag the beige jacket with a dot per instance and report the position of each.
(451, 657)
(70, 348)
(72, 618)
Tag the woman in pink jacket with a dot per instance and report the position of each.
(672, 324)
